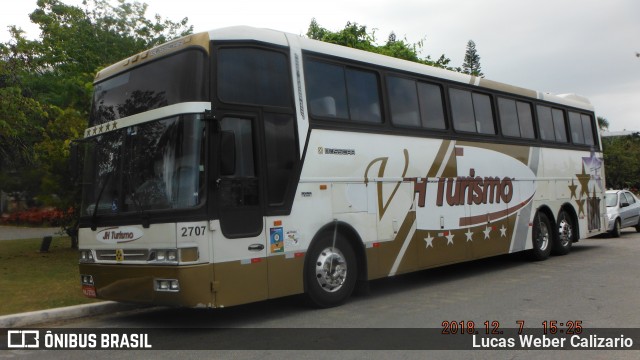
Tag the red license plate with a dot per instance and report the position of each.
(89, 291)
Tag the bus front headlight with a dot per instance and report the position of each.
(86, 256)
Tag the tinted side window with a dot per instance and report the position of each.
(281, 151)
(484, 113)
(559, 125)
(462, 110)
(415, 109)
(471, 111)
(326, 89)
(575, 123)
(545, 123)
(403, 102)
(588, 129)
(253, 76)
(334, 91)
(516, 118)
(508, 117)
(525, 119)
(364, 100)
(431, 106)
(552, 124)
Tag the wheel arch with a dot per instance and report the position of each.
(552, 218)
(547, 211)
(354, 239)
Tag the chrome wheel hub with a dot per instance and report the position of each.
(543, 237)
(565, 231)
(331, 269)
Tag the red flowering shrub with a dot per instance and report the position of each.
(34, 216)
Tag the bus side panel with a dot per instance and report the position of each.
(289, 237)
(240, 282)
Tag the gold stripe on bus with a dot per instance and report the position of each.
(285, 275)
(439, 159)
(236, 283)
(389, 251)
(494, 85)
(134, 283)
(518, 152)
(474, 220)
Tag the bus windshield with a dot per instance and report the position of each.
(177, 78)
(152, 166)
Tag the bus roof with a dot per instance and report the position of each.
(284, 39)
(247, 33)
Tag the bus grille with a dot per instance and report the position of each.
(128, 254)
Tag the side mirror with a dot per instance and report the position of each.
(227, 153)
(624, 204)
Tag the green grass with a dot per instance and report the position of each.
(30, 280)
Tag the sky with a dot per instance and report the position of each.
(587, 47)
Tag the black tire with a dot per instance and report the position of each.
(331, 272)
(542, 237)
(616, 229)
(567, 233)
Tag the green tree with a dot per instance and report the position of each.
(358, 37)
(603, 123)
(622, 161)
(74, 43)
(471, 64)
(46, 83)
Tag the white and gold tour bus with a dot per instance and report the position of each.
(245, 164)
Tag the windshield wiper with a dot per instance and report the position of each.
(144, 217)
(94, 217)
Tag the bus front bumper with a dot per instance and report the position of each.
(188, 286)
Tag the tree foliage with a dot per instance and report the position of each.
(358, 37)
(603, 123)
(622, 161)
(471, 64)
(46, 84)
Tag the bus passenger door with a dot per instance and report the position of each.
(239, 249)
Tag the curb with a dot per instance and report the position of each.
(64, 313)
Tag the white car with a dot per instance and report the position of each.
(623, 210)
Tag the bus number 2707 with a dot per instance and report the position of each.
(187, 231)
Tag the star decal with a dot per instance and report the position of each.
(486, 232)
(580, 203)
(450, 238)
(573, 187)
(469, 235)
(583, 179)
(429, 240)
(503, 231)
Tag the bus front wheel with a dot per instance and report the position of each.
(331, 271)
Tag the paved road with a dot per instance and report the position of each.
(597, 284)
(17, 232)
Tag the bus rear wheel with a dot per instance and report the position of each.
(542, 237)
(331, 272)
(566, 234)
